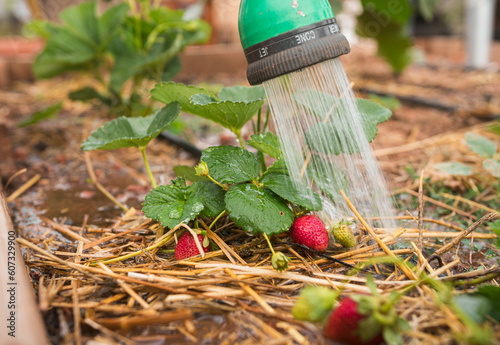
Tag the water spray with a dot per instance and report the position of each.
(293, 50)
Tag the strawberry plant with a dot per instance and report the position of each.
(357, 319)
(232, 181)
(119, 49)
(132, 132)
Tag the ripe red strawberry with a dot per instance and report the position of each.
(310, 232)
(186, 246)
(345, 325)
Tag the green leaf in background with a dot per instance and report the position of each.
(336, 6)
(297, 193)
(480, 144)
(495, 128)
(80, 40)
(170, 206)
(495, 227)
(267, 143)
(493, 166)
(131, 132)
(372, 114)
(258, 210)
(230, 164)
(387, 22)
(476, 307)
(391, 103)
(454, 168)
(427, 8)
(135, 61)
(492, 293)
(188, 173)
(43, 114)
(212, 197)
(329, 183)
(87, 94)
(230, 114)
(398, 11)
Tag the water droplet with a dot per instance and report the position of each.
(175, 213)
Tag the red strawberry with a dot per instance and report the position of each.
(186, 246)
(343, 325)
(310, 232)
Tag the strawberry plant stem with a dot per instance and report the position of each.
(262, 160)
(146, 164)
(217, 183)
(99, 186)
(269, 243)
(240, 139)
(217, 219)
(268, 114)
(259, 120)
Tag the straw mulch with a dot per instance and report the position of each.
(117, 286)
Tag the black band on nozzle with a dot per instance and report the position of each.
(295, 50)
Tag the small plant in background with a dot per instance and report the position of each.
(388, 23)
(119, 49)
(482, 146)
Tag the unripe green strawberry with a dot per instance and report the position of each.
(343, 234)
(314, 303)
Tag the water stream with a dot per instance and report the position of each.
(318, 120)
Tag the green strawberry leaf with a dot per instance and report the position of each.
(392, 336)
(131, 132)
(492, 293)
(492, 166)
(391, 103)
(476, 307)
(278, 167)
(454, 168)
(212, 197)
(330, 182)
(230, 164)
(258, 210)
(298, 193)
(403, 325)
(172, 92)
(228, 114)
(480, 144)
(369, 328)
(43, 114)
(170, 205)
(370, 283)
(266, 143)
(240, 93)
(227, 111)
(188, 173)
